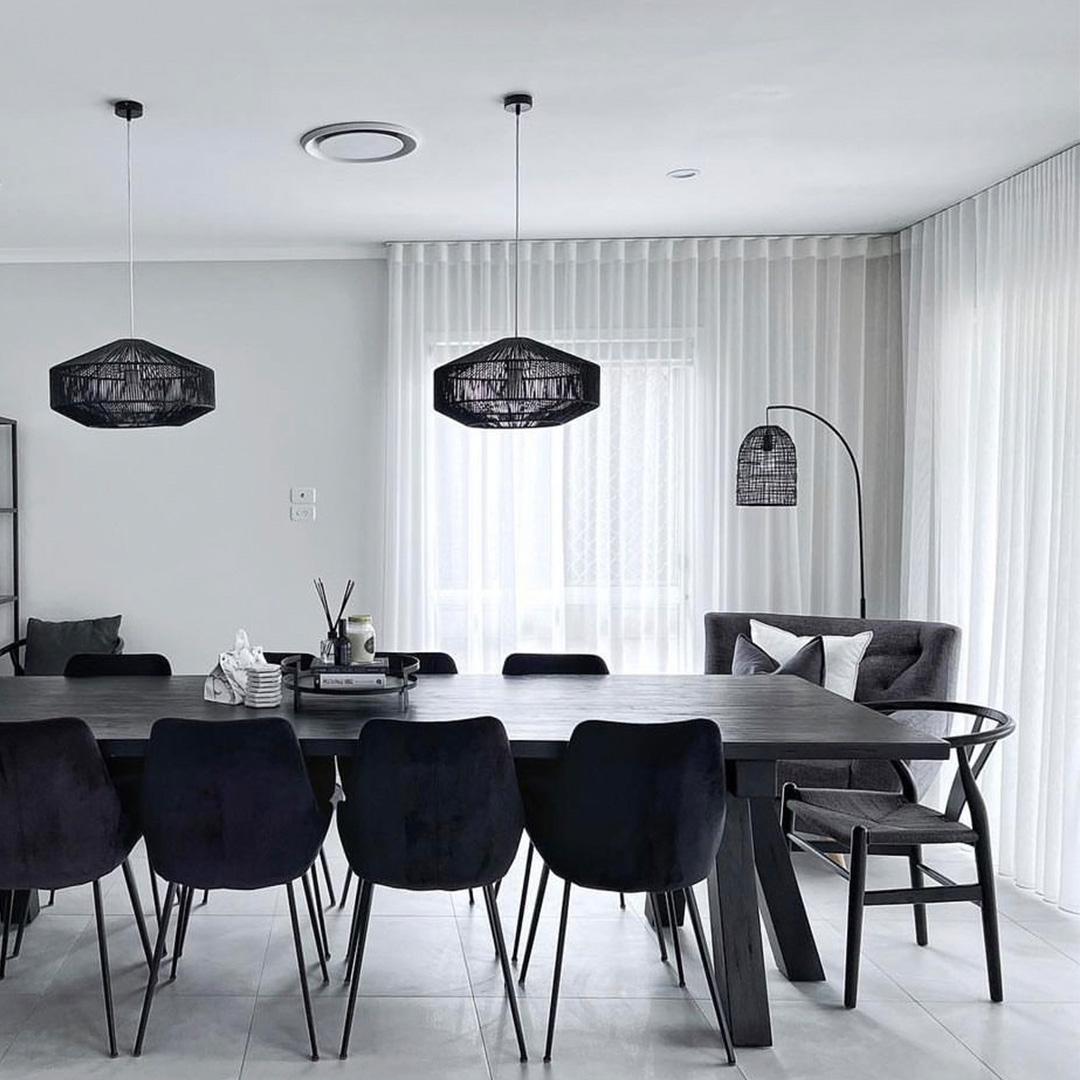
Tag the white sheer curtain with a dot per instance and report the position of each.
(615, 533)
(992, 506)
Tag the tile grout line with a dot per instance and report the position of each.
(472, 995)
(258, 988)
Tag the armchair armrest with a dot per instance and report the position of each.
(13, 649)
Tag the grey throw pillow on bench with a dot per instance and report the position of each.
(808, 662)
(50, 645)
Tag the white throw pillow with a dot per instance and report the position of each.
(842, 654)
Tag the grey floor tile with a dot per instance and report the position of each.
(401, 1038)
(14, 1014)
(606, 1039)
(49, 938)
(883, 1040)
(1061, 930)
(1018, 1041)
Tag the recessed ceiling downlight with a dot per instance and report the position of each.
(360, 141)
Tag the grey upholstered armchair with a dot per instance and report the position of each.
(905, 660)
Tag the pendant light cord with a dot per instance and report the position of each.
(131, 240)
(517, 212)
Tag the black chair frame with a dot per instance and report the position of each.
(973, 749)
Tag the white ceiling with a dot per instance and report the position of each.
(804, 116)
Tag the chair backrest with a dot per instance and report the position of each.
(973, 749)
(523, 663)
(88, 665)
(904, 659)
(229, 804)
(434, 663)
(306, 659)
(635, 807)
(61, 819)
(431, 806)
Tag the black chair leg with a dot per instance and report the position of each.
(182, 912)
(302, 970)
(984, 865)
(319, 912)
(524, 898)
(155, 967)
(23, 917)
(154, 892)
(504, 962)
(326, 876)
(313, 918)
(538, 903)
(669, 903)
(205, 898)
(856, 894)
(363, 916)
(658, 922)
(137, 911)
(556, 978)
(7, 898)
(52, 898)
(345, 888)
(622, 901)
(914, 859)
(472, 899)
(103, 956)
(710, 976)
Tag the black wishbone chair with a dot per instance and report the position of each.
(864, 823)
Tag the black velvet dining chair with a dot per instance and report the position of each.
(635, 808)
(62, 824)
(430, 806)
(92, 665)
(231, 805)
(861, 823)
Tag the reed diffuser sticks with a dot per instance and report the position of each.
(332, 623)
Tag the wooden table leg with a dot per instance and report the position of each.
(782, 906)
(736, 934)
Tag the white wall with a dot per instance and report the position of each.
(186, 531)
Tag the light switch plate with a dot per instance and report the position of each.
(302, 496)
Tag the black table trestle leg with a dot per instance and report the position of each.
(856, 899)
(205, 898)
(504, 962)
(558, 971)
(319, 911)
(136, 908)
(155, 967)
(103, 956)
(345, 888)
(363, 915)
(326, 876)
(313, 918)
(9, 896)
(658, 922)
(669, 904)
(52, 898)
(537, 904)
(22, 926)
(710, 977)
(524, 898)
(302, 970)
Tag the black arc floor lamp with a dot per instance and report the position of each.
(131, 382)
(517, 382)
(767, 475)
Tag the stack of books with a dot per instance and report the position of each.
(352, 676)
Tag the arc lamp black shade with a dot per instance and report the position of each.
(517, 382)
(131, 383)
(767, 469)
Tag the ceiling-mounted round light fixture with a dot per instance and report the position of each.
(683, 174)
(359, 142)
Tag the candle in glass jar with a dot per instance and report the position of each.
(361, 633)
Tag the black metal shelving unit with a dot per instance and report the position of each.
(10, 514)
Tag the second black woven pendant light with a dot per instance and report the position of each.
(517, 382)
(131, 382)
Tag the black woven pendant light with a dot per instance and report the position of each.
(131, 382)
(517, 382)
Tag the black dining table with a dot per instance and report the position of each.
(763, 720)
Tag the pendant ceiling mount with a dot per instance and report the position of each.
(517, 382)
(131, 382)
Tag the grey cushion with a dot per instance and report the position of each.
(50, 645)
(905, 659)
(808, 663)
(887, 818)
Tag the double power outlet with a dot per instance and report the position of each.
(302, 504)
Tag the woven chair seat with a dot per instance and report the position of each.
(887, 817)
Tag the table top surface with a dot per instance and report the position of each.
(762, 718)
